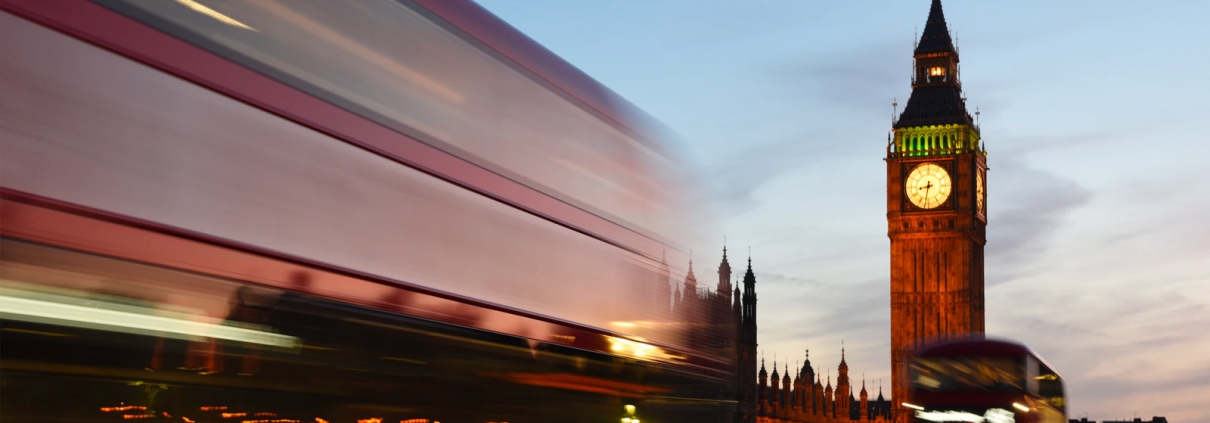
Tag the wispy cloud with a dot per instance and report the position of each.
(1022, 218)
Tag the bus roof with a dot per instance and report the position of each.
(977, 347)
(985, 347)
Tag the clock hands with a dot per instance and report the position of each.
(927, 187)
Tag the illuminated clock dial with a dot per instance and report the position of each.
(979, 191)
(928, 186)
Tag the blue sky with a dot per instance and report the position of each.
(1094, 117)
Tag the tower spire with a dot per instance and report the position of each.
(936, 36)
(936, 91)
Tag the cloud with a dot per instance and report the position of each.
(1023, 217)
(805, 313)
(792, 130)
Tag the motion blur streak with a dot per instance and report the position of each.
(211, 13)
(122, 318)
(379, 210)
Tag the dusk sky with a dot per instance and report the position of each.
(1093, 114)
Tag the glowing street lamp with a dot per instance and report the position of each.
(630, 417)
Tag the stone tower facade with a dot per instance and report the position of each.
(936, 212)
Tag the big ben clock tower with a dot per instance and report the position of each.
(936, 215)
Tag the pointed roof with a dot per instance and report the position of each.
(934, 105)
(774, 367)
(785, 378)
(806, 365)
(843, 365)
(725, 264)
(935, 102)
(936, 36)
(749, 277)
(863, 392)
(691, 280)
(724, 274)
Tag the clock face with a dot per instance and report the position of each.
(979, 191)
(928, 186)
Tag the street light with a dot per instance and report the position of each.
(630, 417)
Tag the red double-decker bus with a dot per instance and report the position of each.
(984, 381)
(380, 210)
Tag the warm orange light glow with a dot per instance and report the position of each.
(271, 421)
(370, 420)
(414, 421)
(936, 71)
(213, 408)
(265, 414)
(230, 415)
(319, 420)
(186, 419)
(138, 416)
(637, 349)
(123, 408)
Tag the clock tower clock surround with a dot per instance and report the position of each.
(936, 215)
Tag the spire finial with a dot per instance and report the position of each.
(894, 112)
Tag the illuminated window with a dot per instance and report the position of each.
(937, 71)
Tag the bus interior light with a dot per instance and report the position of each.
(913, 406)
(1020, 407)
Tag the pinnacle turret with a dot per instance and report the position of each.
(724, 274)
(843, 365)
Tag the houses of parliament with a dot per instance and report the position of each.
(936, 222)
(785, 396)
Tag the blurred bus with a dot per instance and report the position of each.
(332, 211)
(984, 381)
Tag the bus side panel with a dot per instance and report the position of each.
(84, 126)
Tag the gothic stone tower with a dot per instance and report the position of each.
(745, 310)
(936, 216)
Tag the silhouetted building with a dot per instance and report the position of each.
(1154, 419)
(786, 395)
